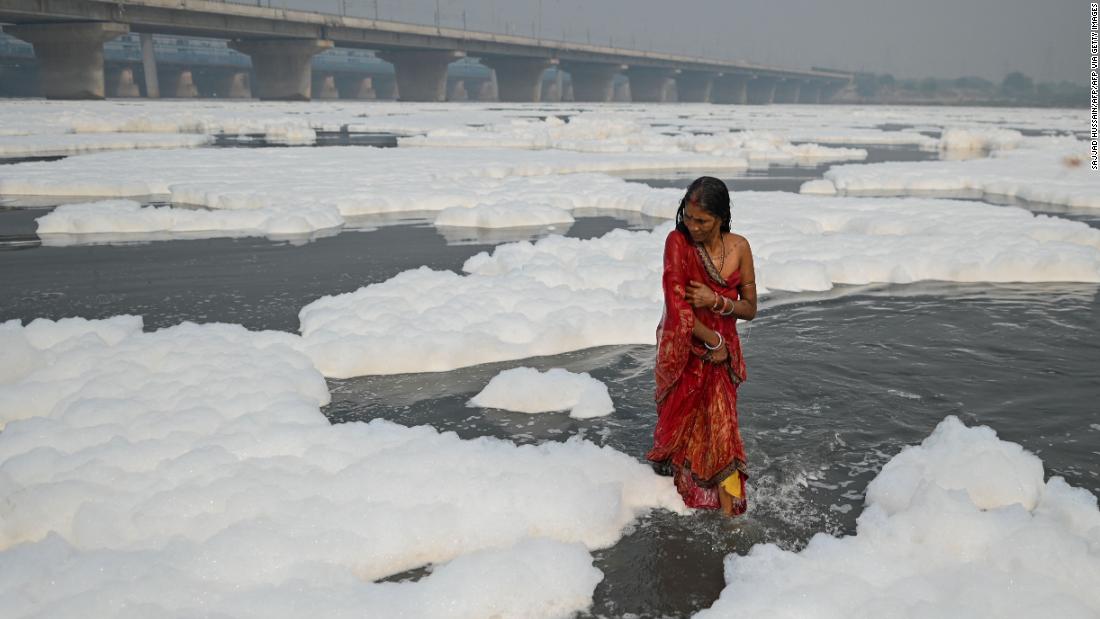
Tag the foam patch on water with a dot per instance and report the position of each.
(1044, 170)
(845, 123)
(289, 134)
(75, 144)
(961, 525)
(298, 191)
(148, 471)
(875, 137)
(818, 187)
(969, 139)
(71, 124)
(563, 294)
(503, 215)
(353, 180)
(527, 390)
(615, 133)
(499, 163)
(126, 583)
(126, 219)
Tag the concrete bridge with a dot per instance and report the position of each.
(188, 67)
(68, 38)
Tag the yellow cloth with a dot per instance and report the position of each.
(732, 485)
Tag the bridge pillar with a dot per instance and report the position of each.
(149, 66)
(786, 91)
(761, 90)
(421, 73)
(326, 87)
(593, 82)
(457, 91)
(123, 84)
(621, 91)
(553, 89)
(652, 85)
(357, 87)
(810, 93)
(474, 88)
(695, 86)
(488, 90)
(492, 88)
(185, 87)
(70, 56)
(518, 79)
(283, 67)
(235, 85)
(731, 89)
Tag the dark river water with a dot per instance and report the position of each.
(838, 382)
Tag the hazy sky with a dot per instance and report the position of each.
(1047, 40)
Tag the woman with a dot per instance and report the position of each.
(708, 284)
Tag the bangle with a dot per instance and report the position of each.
(721, 342)
(733, 308)
(714, 306)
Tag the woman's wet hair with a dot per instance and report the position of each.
(709, 194)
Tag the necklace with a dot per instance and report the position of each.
(722, 262)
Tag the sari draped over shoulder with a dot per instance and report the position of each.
(697, 433)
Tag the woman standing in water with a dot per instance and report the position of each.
(709, 282)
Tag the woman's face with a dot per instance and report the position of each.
(702, 225)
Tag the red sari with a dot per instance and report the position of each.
(697, 433)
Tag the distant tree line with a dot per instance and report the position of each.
(1015, 89)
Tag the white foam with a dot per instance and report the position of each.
(1044, 170)
(72, 122)
(129, 220)
(560, 297)
(832, 124)
(193, 463)
(818, 188)
(596, 132)
(307, 190)
(960, 526)
(384, 180)
(869, 137)
(289, 134)
(526, 390)
(298, 191)
(970, 139)
(562, 294)
(503, 215)
(124, 583)
(74, 144)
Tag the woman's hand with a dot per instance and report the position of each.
(717, 356)
(700, 295)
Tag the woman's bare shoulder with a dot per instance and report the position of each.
(736, 240)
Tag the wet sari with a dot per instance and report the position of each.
(697, 437)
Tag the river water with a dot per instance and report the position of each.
(838, 382)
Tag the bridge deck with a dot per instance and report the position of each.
(230, 20)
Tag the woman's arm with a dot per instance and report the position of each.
(745, 307)
(716, 346)
(705, 334)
